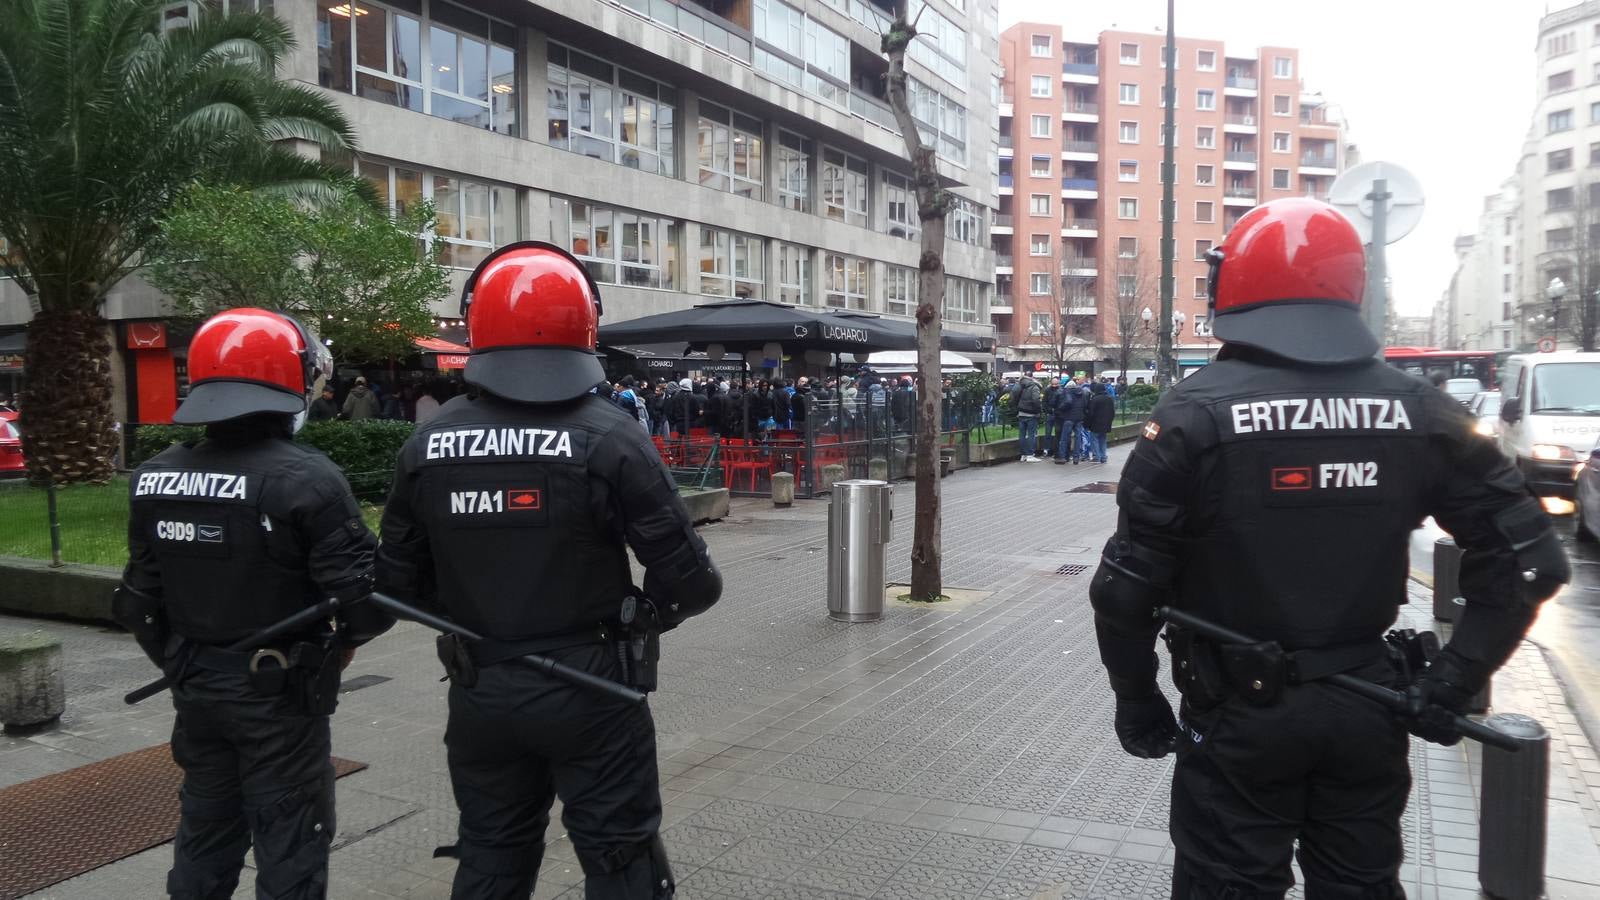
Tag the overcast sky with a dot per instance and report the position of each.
(1443, 88)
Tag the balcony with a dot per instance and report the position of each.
(1082, 109)
(1005, 145)
(1239, 193)
(1079, 265)
(1006, 182)
(1240, 156)
(1087, 151)
(1081, 70)
(1003, 261)
(1002, 220)
(1241, 82)
(1319, 161)
(1080, 184)
(1080, 225)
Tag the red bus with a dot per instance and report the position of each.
(1425, 361)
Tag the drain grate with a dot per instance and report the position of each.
(1095, 487)
(1072, 569)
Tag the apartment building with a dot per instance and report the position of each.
(686, 150)
(1078, 230)
(1479, 311)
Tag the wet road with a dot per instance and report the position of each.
(1568, 627)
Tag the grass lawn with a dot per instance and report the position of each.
(94, 522)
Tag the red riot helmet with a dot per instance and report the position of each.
(247, 361)
(533, 322)
(1288, 279)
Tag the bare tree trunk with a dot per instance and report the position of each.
(927, 578)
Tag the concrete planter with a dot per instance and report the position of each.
(704, 505)
(1121, 434)
(994, 452)
(30, 587)
(32, 690)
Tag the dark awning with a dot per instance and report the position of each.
(750, 324)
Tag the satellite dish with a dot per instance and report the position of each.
(1350, 195)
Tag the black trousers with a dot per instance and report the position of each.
(1321, 766)
(516, 741)
(255, 770)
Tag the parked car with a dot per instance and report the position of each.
(1485, 407)
(1463, 389)
(10, 444)
(1550, 417)
(1588, 497)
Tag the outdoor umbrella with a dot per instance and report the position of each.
(750, 324)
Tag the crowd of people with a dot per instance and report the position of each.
(1071, 415)
(412, 402)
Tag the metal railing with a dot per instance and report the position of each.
(1241, 81)
(1072, 68)
(1246, 193)
(1079, 184)
(1072, 263)
(1005, 141)
(1082, 107)
(1080, 224)
(1239, 119)
(1319, 161)
(1080, 146)
(1244, 156)
(1002, 220)
(1006, 180)
(1003, 261)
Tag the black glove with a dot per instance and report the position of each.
(1444, 692)
(1145, 726)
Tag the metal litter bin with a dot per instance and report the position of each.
(859, 515)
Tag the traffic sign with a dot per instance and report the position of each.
(1547, 345)
(1351, 194)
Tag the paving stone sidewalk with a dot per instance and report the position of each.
(946, 752)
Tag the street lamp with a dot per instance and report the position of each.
(1178, 319)
(1555, 291)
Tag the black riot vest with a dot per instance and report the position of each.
(1307, 485)
(221, 520)
(515, 501)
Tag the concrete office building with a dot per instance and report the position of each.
(686, 149)
(1480, 312)
(1079, 227)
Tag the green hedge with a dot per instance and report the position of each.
(364, 450)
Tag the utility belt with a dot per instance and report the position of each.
(635, 637)
(1208, 672)
(307, 670)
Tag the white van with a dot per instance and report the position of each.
(1550, 416)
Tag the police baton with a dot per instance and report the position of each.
(1392, 699)
(544, 664)
(293, 623)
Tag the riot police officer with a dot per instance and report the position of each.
(1274, 493)
(227, 536)
(512, 511)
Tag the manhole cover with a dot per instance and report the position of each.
(1095, 487)
(1072, 569)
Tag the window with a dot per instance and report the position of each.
(378, 53)
(965, 221)
(1127, 247)
(1505, 311)
(1127, 93)
(961, 300)
(1040, 44)
(1205, 60)
(1280, 179)
(794, 274)
(1206, 100)
(1505, 340)
(1038, 204)
(1558, 199)
(1039, 323)
(1560, 43)
(1505, 255)
(1203, 211)
(1280, 142)
(607, 113)
(1597, 73)
(1560, 120)
(1282, 105)
(900, 290)
(617, 246)
(1199, 294)
(471, 217)
(1039, 126)
(1558, 239)
(729, 151)
(1204, 175)
(1128, 170)
(844, 281)
(1040, 86)
(1558, 160)
(1506, 227)
(1039, 245)
(1282, 67)
(1205, 138)
(794, 163)
(1039, 284)
(1560, 81)
(900, 205)
(1130, 54)
(1041, 167)
(1128, 208)
(1128, 132)
(1594, 156)
(842, 181)
(1127, 286)
(1201, 248)
(731, 264)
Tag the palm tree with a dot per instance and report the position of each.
(103, 120)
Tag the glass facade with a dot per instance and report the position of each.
(844, 282)
(900, 204)
(731, 264)
(795, 154)
(961, 300)
(618, 246)
(900, 290)
(842, 182)
(794, 274)
(609, 113)
(471, 217)
(729, 151)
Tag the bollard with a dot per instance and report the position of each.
(782, 489)
(1511, 827)
(1446, 579)
(1479, 704)
(878, 469)
(832, 474)
(32, 689)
